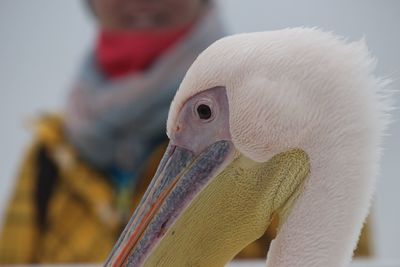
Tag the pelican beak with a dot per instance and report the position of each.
(181, 175)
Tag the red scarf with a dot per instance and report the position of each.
(119, 53)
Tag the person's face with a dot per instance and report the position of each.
(145, 14)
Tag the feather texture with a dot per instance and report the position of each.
(308, 89)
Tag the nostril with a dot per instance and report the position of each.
(178, 128)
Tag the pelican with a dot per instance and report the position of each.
(283, 123)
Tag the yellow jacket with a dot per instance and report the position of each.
(64, 211)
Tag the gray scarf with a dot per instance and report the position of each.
(114, 125)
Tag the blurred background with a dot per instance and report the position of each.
(43, 43)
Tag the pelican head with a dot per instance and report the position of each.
(284, 123)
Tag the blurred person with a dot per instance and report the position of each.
(88, 168)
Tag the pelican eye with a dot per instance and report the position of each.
(204, 112)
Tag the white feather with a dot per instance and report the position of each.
(303, 88)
